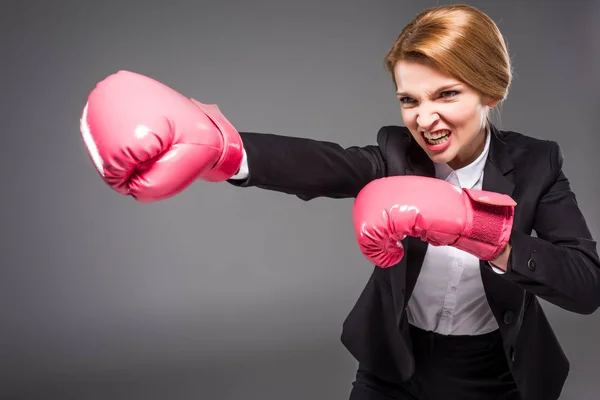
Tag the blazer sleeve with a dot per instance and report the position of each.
(561, 264)
(309, 168)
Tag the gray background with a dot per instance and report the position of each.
(221, 292)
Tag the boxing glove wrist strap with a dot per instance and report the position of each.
(489, 223)
(232, 148)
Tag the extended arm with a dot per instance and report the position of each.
(308, 168)
(148, 141)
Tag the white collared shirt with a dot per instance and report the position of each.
(449, 297)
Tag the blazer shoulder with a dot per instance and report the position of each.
(528, 150)
(392, 135)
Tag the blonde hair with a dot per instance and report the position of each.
(460, 41)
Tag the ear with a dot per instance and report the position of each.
(491, 102)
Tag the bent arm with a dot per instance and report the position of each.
(307, 168)
(561, 265)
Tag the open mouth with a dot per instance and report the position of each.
(437, 138)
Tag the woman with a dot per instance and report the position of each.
(441, 323)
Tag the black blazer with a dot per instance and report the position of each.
(560, 265)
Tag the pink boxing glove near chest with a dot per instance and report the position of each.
(389, 209)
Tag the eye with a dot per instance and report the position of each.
(449, 93)
(406, 100)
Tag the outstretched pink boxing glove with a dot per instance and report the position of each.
(148, 141)
(389, 209)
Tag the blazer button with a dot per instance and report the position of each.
(508, 317)
(531, 264)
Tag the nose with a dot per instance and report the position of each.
(427, 117)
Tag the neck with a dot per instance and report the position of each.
(470, 152)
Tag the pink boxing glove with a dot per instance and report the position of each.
(150, 142)
(389, 209)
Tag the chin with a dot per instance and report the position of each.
(445, 156)
(440, 158)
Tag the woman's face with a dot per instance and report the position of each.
(445, 116)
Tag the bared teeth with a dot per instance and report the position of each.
(436, 135)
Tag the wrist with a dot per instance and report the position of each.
(501, 262)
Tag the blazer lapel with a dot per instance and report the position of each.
(501, 293)
(418, 163)
(496, 173)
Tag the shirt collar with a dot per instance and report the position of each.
(469, 175)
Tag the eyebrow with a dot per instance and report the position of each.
(441, 89)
